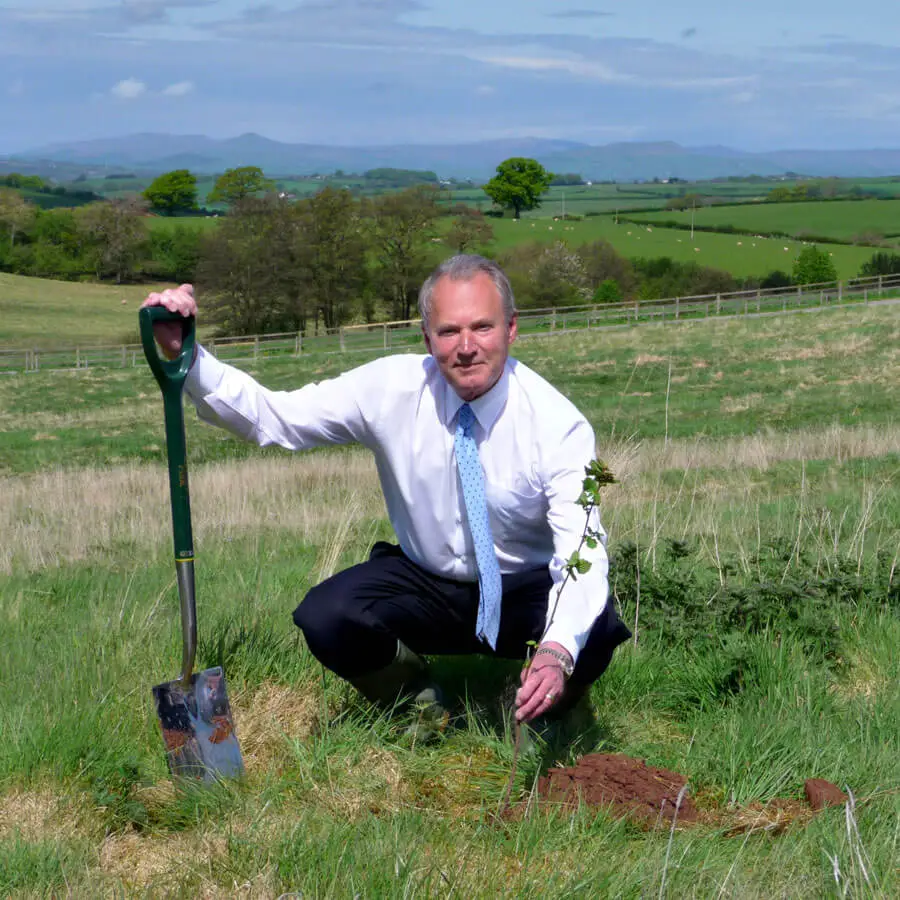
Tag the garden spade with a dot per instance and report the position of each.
(193, 710)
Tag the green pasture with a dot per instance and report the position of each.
(742, 255)
(841, 219)
(42, 313)
(754, 533)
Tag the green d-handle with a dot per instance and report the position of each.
(171, 375)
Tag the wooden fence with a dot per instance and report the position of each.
(404, 336)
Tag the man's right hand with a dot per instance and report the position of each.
(177, 300)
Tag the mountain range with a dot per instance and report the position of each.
(154, 153)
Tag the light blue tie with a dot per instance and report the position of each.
(471, 477)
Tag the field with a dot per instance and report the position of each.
(40, 312)
(755, 532)
(842, 219)
(740, 255)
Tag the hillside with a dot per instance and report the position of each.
(618, 161)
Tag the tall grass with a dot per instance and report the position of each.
(766, 650)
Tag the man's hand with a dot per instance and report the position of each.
(543, 683)
(169, 334)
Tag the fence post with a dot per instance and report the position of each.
(387, 336)
(636, 311)
(298, 344)
(77, 358)
(880, 284)
(553, 321)
(677, 306)
(746, 305)
(840, 292)
(866, 295)
(341, 338)
(124, 356)
(718, 304)
(256, 347)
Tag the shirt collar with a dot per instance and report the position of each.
(487, 407)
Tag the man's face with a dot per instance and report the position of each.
(468, 334)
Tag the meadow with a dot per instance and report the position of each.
(755, 533)
(839, 219)
(741, 255)
(42, 312)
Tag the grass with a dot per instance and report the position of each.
(758, 502)
(738, 254)
(40, 312)
(844, 220)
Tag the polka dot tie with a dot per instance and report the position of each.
(471, 477)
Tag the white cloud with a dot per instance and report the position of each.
(179, 89)
(129, 89)
(593, 70)
(485, 90)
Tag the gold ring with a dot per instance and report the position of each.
(549, 695)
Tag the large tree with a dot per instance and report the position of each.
(115, 236)
(173, 192)
(233, 185)
(16, 213)
(248, 268)
(331, 254)
(519, 184)
(402, 228)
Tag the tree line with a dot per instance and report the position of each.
(274, 264)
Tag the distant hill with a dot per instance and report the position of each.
(150, 153)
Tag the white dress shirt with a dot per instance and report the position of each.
(532, 441)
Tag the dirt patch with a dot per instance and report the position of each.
(821, 793)
(627, 786)
(651, 797)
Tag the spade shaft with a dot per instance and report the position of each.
(193, 710)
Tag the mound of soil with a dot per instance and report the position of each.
(649, 796)
(625, 785)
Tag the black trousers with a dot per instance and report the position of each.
(352, 621)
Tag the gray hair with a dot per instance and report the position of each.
(465, 267)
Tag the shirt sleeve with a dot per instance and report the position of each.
(573, 609)
(328, 412)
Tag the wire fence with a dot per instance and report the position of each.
(405, 336)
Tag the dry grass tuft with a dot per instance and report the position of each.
(371, 786)
(773, 817)
(165, 863)
(58, 517)
(268, 717)
(39, 815)
(645, 359)
(740, 404)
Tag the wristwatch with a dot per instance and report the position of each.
(565, 661)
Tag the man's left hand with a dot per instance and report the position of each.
(543, 683)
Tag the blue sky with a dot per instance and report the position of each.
(771, 75)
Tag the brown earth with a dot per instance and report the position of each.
(650, 796)
(627, 786)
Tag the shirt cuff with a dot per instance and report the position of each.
(205, 375)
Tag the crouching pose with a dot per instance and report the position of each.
(481, 462)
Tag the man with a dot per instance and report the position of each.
(481, 462)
